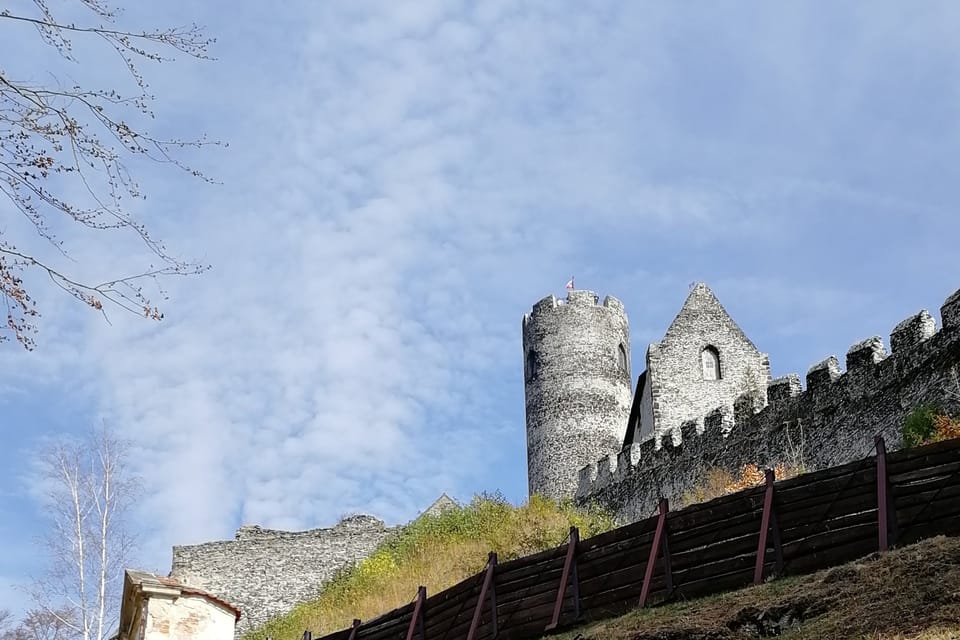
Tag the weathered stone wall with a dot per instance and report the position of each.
(677, 386)
(831, 422)
(265, 573)
(577, 380)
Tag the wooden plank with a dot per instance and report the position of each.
(945, 525)
(918, 457)
(639, 528)
(833, 508)
(818, 543)
(814, 492)
(946, 469)
(851, 548)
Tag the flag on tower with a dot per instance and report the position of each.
(570, 284)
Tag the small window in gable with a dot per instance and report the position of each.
(710, 363)
(622, 356)
(531, 364)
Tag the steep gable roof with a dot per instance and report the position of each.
(703, 303)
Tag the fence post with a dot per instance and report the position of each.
(768, 524)
(488, 585)
(659, 542)
(569, 571)
(886, 514)
(353, 629)
(417, 619)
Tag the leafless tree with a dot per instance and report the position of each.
(38, 624)
(65, 151)
(89, 491)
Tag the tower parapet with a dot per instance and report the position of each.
(576, 355)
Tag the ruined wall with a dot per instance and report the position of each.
(577, 382)
(831, 422)
(265, 573)
(679, 390)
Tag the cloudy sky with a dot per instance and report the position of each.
(405, 178)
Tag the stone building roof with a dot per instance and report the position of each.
(140, 584)
(441, 504)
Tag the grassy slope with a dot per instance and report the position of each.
(436, 552)
(913, 592)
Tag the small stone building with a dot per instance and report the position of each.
(159, 608)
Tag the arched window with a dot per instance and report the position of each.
(710, 363)
(622, 356)
(531, 364)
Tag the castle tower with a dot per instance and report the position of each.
(576, 356)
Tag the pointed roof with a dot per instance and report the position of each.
(702, 304)
(441, 504)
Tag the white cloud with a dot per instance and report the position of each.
(403, 180)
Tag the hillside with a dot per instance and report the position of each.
(436, 551)
(909, 593)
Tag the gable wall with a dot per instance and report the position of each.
(679, 392)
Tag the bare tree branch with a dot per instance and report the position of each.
(58, 139)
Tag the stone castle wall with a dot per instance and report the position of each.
(577, 381)
(679, 390)
(265, 573)
(832, 422)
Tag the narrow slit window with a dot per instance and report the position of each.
(531, 364)
(622, 356)
(710, 363)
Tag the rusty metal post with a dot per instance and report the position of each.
(768, 525)
(417, 619)
(569, 569)
(886, 515)
(353, 629)
(659, 542)
(487, 586)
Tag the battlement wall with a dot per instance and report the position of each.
(551, 304)
(265, 572)
(832, 421)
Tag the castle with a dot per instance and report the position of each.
(706, 400)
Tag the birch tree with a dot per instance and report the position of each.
(67, 144)
(89, 491)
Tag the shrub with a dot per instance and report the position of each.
(927, 424)
(720, 482)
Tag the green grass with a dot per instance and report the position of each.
(437, 552)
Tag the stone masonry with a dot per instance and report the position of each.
(832, 422)
(265, 573)
(678, 386)
(577, 381)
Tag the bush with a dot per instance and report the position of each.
(720, 482)
(927, 424)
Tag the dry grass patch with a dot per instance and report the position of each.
(910, 593)
(437, 552)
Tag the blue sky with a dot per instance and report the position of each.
(404, 179)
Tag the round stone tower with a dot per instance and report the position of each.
(576, 356)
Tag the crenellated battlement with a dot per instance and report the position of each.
(576, 299)
(830, 422)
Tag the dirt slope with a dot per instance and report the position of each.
(913, 592)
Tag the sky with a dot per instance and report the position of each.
(402, 180)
